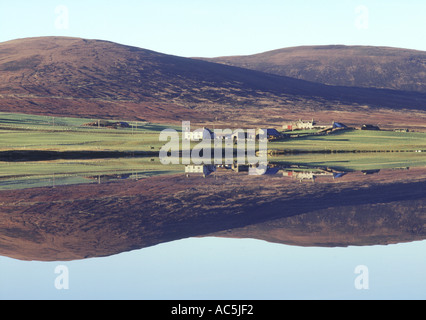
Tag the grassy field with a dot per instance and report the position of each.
(29, 132)
(354, 162)
(42, 133)
(356, 140)
(20, 132)
(21, 175)
(15, 175)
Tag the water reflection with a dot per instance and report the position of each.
(102, 214)
(293, 171)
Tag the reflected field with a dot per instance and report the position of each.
(30, 174)
(141, 203)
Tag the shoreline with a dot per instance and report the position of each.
(40, 155)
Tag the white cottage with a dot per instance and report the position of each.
(205, 170)
(197, 135)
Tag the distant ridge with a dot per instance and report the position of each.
(357, 66)
(94, 78)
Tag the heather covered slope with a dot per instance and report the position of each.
(355, 66)
(92, 78)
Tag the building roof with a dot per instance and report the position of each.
(339, 125)
(272, 132)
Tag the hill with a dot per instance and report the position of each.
(91, 78)
(338, 65)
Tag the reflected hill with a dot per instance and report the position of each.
(74, 222)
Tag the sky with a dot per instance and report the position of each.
(199, 28)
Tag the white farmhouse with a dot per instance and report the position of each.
(197, 135)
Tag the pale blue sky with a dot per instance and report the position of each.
(222, 27)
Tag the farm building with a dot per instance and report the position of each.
(240, 167)
(123, 124)
(205, 170)
(236, 135)
(300, 125)
(269, 170)
(401, 130)
(271, 134)
(339, 125)
(239, 135)
(307, 175)
(370, 127)
(108, 124)
(198, 135)
(366, 172)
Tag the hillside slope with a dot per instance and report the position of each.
(92, 78)
(357, 66)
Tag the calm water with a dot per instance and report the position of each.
(215, 233)
(215, 268)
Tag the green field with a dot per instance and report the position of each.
(32, 174)
(356, 140)
(20, 132)
(14, 175)
(28, 132)
(351, 150)
(354, 162)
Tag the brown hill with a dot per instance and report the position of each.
(92, 78)
(356, 66)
